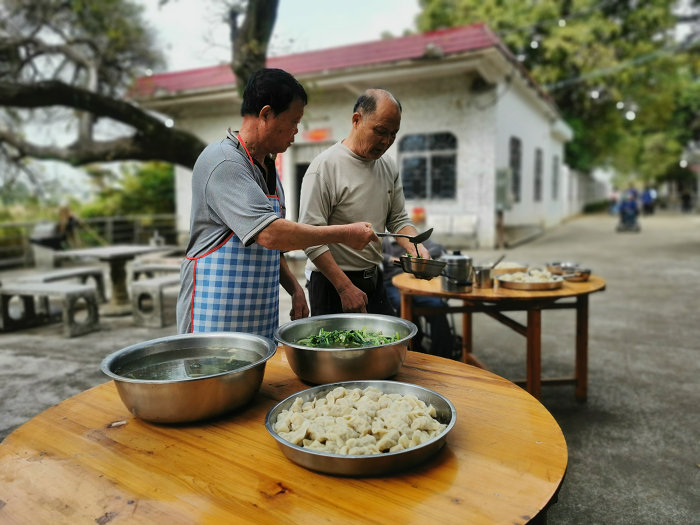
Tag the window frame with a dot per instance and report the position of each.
(427, 151)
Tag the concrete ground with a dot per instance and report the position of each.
(633, 446)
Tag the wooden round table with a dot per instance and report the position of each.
(497, 300)
(88, 460)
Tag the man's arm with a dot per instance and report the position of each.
(285, 235)
(288, 280)
(352, 298)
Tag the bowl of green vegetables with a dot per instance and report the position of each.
(346, 347)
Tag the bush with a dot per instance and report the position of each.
(596, 207)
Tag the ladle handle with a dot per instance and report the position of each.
(497, 261)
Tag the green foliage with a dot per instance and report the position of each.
(596, 207)
(599, 59)
(141, 189)
(109, 35)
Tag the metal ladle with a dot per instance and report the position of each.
(497, 261)
(413, 239)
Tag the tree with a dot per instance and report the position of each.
(621, 80)
(251, 40)
(143, 188)
(71, 62)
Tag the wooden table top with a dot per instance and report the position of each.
(408, 283)
(502, 463)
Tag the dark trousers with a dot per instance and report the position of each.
(324, 298)
(442, 341)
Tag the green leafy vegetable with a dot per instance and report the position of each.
(347, 338)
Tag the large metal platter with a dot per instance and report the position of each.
(370, 465)
(510, 269)
(554, 284)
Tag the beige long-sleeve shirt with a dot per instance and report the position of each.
(340, 187)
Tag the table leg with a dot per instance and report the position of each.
(534, 352)
(407, 311)
(582, 347)
(119, 303)
(467, 337)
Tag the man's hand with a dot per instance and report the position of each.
(423, 252)
(359, 235)
(300, 307)
(353, 299)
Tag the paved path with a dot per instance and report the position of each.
(633, 453)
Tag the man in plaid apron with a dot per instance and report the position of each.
(232, 270)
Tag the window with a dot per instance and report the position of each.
(515, 162)
(429, 166)
(538, 175)
(555, 177)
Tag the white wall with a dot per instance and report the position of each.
(518, 117)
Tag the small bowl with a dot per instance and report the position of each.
(189, 377)
(578, 275)
(329, 365)
(559, 268)
(369, 465)
(422, 268)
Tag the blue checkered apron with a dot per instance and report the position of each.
(236, 288)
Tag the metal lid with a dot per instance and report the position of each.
(456, 258)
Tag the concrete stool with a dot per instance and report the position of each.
(148, 301)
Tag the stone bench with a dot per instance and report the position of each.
(84, 273)
(152, 269)
(148, 301)
(73, 297)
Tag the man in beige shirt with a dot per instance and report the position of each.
(350, 181)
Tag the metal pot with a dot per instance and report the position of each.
(458, 267)
(453, 285)
(186, 377)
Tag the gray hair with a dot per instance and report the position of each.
(367, 102)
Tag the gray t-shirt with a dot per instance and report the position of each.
(228, 194)
(340, 187)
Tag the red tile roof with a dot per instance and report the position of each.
(448, 41)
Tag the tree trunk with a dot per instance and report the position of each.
(251, 40)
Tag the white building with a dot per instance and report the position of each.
(477, 133)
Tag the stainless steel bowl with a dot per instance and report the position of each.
(578, 275)
(328, 365)
(561, 267)
(188, 377)
(371, 465)
(422, 268)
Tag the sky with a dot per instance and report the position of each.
(193, 33)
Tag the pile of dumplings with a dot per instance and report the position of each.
(358, 422)
(533, 275)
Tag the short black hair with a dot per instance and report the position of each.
(367, 102)
(271, 87)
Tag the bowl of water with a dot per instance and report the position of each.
(189, 377)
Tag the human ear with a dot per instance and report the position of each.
(266, 113)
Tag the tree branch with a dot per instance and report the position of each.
(152, 141)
